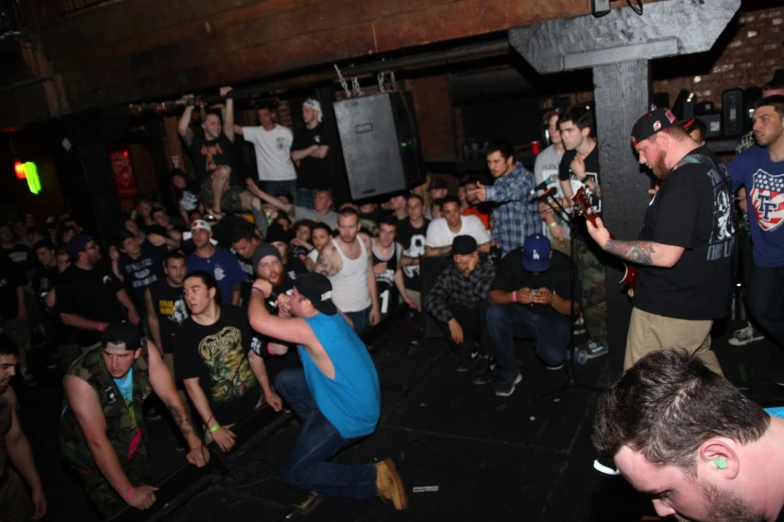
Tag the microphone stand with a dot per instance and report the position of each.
(570, 383)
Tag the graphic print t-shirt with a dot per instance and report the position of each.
(171, 310)
(764, 182)
(208, 155)
(592, 173)
(125, 385)
(694, 210)
(217, 356)
(413, 242)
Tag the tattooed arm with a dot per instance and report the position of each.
(329, 261)
(163, 384)
(647, 253)
(375, 309)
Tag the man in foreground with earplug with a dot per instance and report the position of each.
(690, 440)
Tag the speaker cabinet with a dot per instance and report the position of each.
(380, 143)
(683, 108)
(712, 125)
(732, 109)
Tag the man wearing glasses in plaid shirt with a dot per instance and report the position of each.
(514, 216)
(458, 302)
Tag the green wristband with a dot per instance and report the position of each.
(215, 428)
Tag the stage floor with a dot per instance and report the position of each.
(492, 458)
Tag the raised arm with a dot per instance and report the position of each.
(183, 126)
(287, 329)
(272, 200)
(228, 115)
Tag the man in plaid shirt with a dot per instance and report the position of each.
(458, 302)
(514, 216)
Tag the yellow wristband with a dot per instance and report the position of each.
(215, 428)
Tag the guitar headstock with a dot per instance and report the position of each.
(582, 203)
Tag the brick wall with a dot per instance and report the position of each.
(744, 59)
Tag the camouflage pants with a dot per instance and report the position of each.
(230, 202)
(594, 289)
(103, 496)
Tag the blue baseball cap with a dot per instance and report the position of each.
(536, 253)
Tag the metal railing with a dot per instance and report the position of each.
(11, 21)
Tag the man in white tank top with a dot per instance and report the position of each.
(347, 262)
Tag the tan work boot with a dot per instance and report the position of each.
(390, 485)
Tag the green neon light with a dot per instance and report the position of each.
(31, 173)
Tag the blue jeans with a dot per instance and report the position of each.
(766, 300)
(509, 321)
(305, 196)
(360, 319)
(307, 467)
(280, 187)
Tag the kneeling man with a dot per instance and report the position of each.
(335, 395)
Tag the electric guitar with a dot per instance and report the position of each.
(583, 206)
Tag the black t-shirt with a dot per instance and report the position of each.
(294, 267)
(592, 173)
(413, 242)
(44, 279)
(91, 294)
(250, 275)
(312, 172)
(208, 155)
(11, 278)
(143, 271)
(169, 305)
(295, 251)
(20, 256)
(217, 356)
(694, 210)
(511, 276)
(369, 220)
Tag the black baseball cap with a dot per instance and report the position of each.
(77, 244)
(437, 183)
(318, 289)
(122, 335)
(464, 245)
(263, 250)
(652, 122)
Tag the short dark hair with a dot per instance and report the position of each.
(502, 146)
(155, 210)
(174, 254)
(348, 211)
(8, 346)
(450, 199)
(209, 281)
(319, 225)
(43, 243)
(580, 116)
(214, 113)
(387, 219)
(302, 223)
(266, 105)
(667, 405)
(122, 235)
(242, 231)
(416, 196)
(776, 101)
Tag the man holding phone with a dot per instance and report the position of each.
(533, 303)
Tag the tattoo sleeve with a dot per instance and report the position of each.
(640, 252)
(323, 264)
(182, 420)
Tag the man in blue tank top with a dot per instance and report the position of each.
(335, 395)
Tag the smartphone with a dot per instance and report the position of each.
(534, 291)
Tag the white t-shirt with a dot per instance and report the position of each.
(546, 167)
(273, 152)
(439, 235)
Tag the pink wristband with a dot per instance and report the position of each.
(269, 350)
(514, 297)
(127, 496)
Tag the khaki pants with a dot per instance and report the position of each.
(650, 332)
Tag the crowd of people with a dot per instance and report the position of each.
(254, 292)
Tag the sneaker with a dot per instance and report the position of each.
(594, 350)
(554, 368)
(506, 385)
(745, 336)
(485, 373)
(579, 325)
(467, 362)
(606, 466)
(390, 485)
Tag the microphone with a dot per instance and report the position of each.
(541, 186)
(541, 193)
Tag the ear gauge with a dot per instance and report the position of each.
(720, 463)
